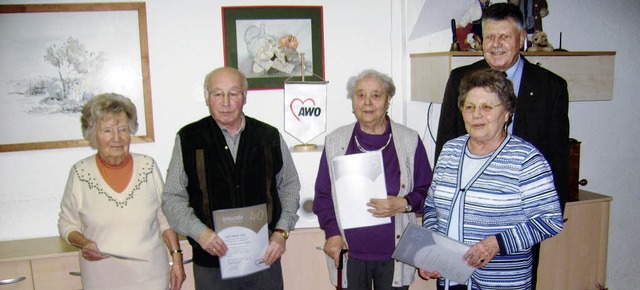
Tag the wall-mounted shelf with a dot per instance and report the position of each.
(589, 74)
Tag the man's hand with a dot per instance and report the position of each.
(212, 243)
(276, 248)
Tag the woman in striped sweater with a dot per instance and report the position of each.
(491, 190)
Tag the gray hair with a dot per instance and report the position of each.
(387, 82)
(245, 82)
(102, 105)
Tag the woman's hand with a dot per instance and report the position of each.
(89, 248)
(481, 253)
(390, 206)
(426, 275)
(176, 276)
(91, 252)
(332, 248)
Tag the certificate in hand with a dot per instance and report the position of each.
(245, 232)
(425, 249)
(358, 178)
(123, 257)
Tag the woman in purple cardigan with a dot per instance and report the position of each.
(407, 173)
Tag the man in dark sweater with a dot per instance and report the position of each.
(229, 160)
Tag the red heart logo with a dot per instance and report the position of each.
(301, 103)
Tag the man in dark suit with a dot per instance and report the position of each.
(541, 115)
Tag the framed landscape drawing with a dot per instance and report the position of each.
(55, 57)
(271, 44)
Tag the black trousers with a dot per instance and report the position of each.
(377, 275)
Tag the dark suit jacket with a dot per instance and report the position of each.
(541, 117)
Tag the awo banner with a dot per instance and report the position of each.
(305, 107)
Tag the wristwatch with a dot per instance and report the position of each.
(408, 208)
(284, 233)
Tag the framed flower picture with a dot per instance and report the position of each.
(271, 44)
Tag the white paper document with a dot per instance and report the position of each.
(358, 178)
(123, 257)
(425, 249)
(245, 232)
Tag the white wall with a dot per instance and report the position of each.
(185, 42)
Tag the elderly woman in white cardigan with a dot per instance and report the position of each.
(111, 204)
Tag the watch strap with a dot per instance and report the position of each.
(408, 207)
(284, 233)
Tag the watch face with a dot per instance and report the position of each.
(284, 233)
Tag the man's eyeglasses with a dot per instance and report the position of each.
(484, 108)
(234, 95)
(500, 37)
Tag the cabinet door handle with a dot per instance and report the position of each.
(12, 280)
(75, 274)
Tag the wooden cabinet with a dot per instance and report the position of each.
(577, 257)
(16, 275)
(589, 75)
(304, 265)
(62, 271)
(52, 264)
(574, 259)
(45, 263)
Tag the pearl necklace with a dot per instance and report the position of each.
(365, 151)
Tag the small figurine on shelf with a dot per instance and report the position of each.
(474, 41)
(469, 22)
(533, 11)
(539, 42)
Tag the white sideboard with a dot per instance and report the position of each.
(589, 74)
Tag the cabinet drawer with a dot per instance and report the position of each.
(54, 273)
(10, 271)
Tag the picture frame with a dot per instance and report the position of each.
(271, 44)
(55, 57)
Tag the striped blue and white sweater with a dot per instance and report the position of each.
(514, 198)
